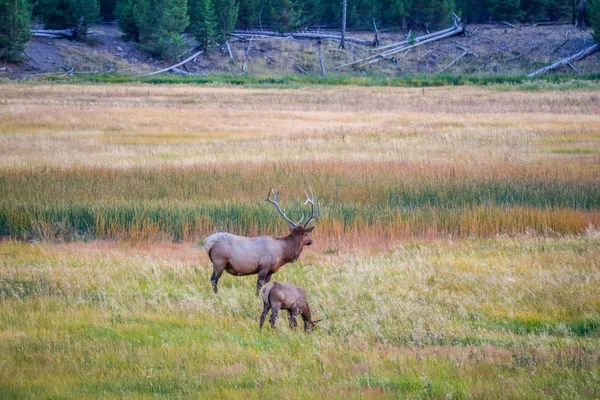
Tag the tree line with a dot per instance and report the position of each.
(157, 25)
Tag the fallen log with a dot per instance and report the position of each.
(407, 45)
(315, 36)
(190, 58)
(416, 40)
(71, 33)
(47, 35)
(299, 68)
(378, 57)
(565, 61)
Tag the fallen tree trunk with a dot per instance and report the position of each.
(190, 58)
(417, 39)
(459, 28)
(71, 33)
(316, 36)
(565, 61)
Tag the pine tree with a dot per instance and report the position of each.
(61, 14)
(399, 11)
(504, 9)
(203, 22)
(432, 13)
(160, 23)
(227, 15)
(472, 10)
(247, 15)
(126, 20)
(594, 15)
(15, 25)
(107, 9)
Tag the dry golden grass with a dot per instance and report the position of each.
(121, 126)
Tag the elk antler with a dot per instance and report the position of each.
(311, 200)
(275, 202)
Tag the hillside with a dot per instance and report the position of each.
(497, 50)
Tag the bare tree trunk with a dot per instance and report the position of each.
(321, 59)
(404, 24)
(582, 14)
(344, 10)
(565, 61)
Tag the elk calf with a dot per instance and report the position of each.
(277, 296)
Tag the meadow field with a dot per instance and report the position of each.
(455, 255)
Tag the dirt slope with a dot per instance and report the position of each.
(499, 49)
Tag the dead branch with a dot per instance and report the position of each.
(190, 58)
(577, 56)
(561, 45)
(229, 51)
(482, 66)
(299, 68)
(525, 52)
(573, 67)
(509, 24)
(427, 52)
(464, 53)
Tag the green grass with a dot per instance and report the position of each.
(555, 81)
(427, 320)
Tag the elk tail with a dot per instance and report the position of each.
(265, 291)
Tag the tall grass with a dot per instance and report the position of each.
(148, 162)
(181, 204)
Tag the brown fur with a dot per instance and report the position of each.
(283, 296)
(262, 255)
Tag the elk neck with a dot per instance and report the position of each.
(306, 314)
(292, 247)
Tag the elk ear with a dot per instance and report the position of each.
(309, 230)
(317, 321)
(292, 227)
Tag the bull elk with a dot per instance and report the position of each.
(262, 255)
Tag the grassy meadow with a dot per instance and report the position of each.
(455, 255)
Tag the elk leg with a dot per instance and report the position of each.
(268, 278)
(292, 318)
(266, 309)
(217, 272)
(274, 313)
(262, 276)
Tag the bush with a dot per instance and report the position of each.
(15, 24)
